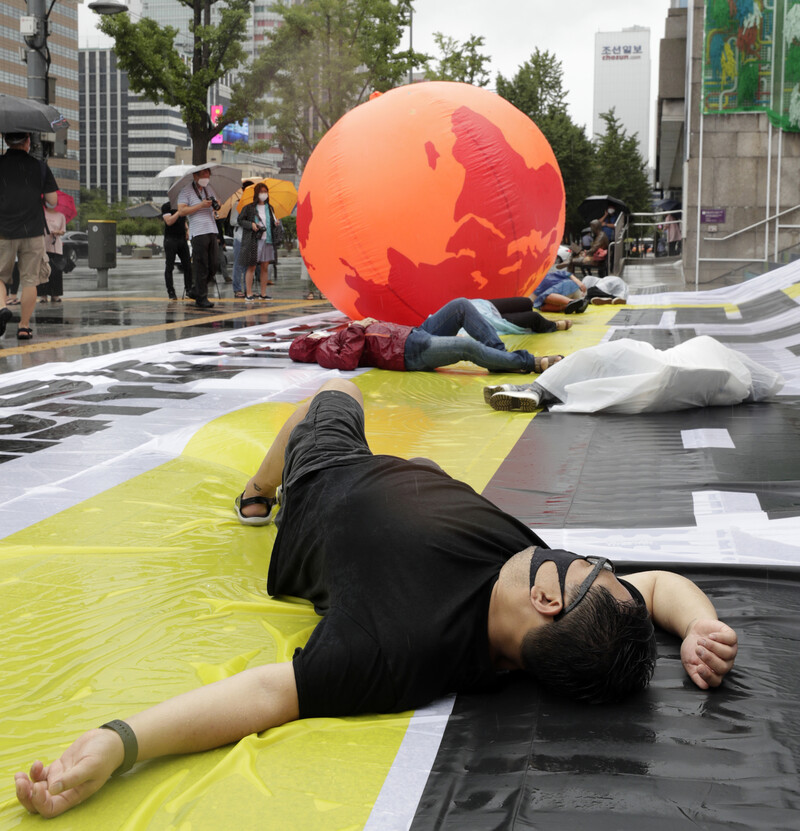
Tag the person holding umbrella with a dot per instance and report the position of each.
(260, 234)
(24, 182)
(197, 201)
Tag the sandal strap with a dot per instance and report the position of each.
(256, 500)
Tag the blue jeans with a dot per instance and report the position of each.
(238, 270)
(434, 343)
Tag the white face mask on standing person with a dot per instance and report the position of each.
(203, 182)
(262, 197)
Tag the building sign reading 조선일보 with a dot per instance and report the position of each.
(626, 52)
(712, 216)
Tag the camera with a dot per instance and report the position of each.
(262, 229)
(215, 204)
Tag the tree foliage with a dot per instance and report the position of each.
(327, 57)
(619, 167)
(158, 72)
(611, 164)
(576, 158)
(537, 88)
(459, 61)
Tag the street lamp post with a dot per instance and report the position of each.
(34, 29)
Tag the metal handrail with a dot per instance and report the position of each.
(750, 227)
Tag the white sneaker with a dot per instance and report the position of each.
(510, 397)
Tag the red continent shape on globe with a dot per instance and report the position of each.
(452, 208)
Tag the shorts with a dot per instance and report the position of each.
(30, 253)
(331, 435)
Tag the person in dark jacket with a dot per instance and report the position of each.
(418, 348)
(259, 238)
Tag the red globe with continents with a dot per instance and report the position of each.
(428, 192)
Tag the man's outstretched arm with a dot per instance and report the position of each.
(208, 717)
(680, 607)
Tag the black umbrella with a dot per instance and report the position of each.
(22, 115)
(671, 205)
(593, 207)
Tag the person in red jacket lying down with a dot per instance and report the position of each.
(421, 348)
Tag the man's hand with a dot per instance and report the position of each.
(83, 769)
(708, 652)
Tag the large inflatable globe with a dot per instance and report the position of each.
(428, 192)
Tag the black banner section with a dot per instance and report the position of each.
(614, 471)
(672, 758)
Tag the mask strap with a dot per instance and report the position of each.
(584, 587)
(561, 566)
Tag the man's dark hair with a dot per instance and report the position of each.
(602, 651)
(15, 139)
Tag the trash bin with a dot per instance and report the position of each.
(102, 243)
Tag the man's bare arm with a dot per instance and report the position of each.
(677, 605)
(208, 717)
(184, 209)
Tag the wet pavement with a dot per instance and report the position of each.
(134, 311)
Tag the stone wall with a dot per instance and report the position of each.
(739, 174)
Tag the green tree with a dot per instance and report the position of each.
(94, 205)
(575, 154)
(289, 232)
(460, 61)
(537, 88)
(157, 70)
(326, 58)
(619, 168)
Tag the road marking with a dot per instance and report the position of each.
(161, 327)
(717, 437)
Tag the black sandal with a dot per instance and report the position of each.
(268, 502)
(24, 333)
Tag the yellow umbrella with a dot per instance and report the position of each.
(282, 196)
(226, 206)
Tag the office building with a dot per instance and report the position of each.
(126, 140)
(63, 77)
(622, 82)
(728, 144)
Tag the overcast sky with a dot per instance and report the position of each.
(512, 29)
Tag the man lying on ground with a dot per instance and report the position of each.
(432, 344)
(425, 588)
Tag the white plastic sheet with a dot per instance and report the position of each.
(627, 376)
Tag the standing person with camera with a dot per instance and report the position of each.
(197, 201)
(260, 233)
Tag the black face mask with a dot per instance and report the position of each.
(563, 560)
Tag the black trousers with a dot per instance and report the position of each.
(54, 286)
(205, 255)
(177, 247)
(520, 312)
